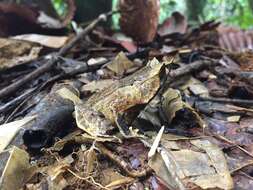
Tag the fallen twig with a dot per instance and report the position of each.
(15, 101)
(227, 100)
(86, 179)
(121, 163)
(51, 62)
(246, 175)
(233, 143)
(242, 166)
(193, 67)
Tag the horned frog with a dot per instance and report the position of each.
(99, 113)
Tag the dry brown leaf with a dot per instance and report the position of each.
(139, 19)
(14, 52)
(207, 170)
(166, 169)
(172, 102)
(13, 168)
(44, 40)
(113, 180)
(218, 161)
(195, 87)
(121, 64)
(55, 179)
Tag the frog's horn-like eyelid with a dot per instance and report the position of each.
(153, 62)
(68, 94)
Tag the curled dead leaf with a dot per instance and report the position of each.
(172, 102)
(139, 18)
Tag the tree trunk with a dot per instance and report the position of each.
(250, 2)
(87, 10)
(195, 10)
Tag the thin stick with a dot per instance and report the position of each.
(227, 100)
(242, 166)
(16, 100)
(246, 175)
(87, 180)
(123, 165)
(47, 66)
(231, 142)
(192, 67)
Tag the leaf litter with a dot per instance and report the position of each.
(174, 113)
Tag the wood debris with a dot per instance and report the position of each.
(98, 111)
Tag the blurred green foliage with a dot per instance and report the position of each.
(169, 6)
(233, 12)
(60, 6)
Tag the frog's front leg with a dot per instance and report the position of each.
(122, 126)
(126, 131)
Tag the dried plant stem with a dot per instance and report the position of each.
(86, 179)
(242, 166)
(233, 143)
(121, 163)
(51, 62)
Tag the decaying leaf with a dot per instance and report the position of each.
(180, 168)
(222, 179)
(14, 52)
(150, 113)
(167, 169)
(125, 42)
(113, 180)
(194, 86)
(120, 64)
(44, 40)
(14, 166)
(172, 102)
(139, 18)
(55, 178)
(234, 39)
